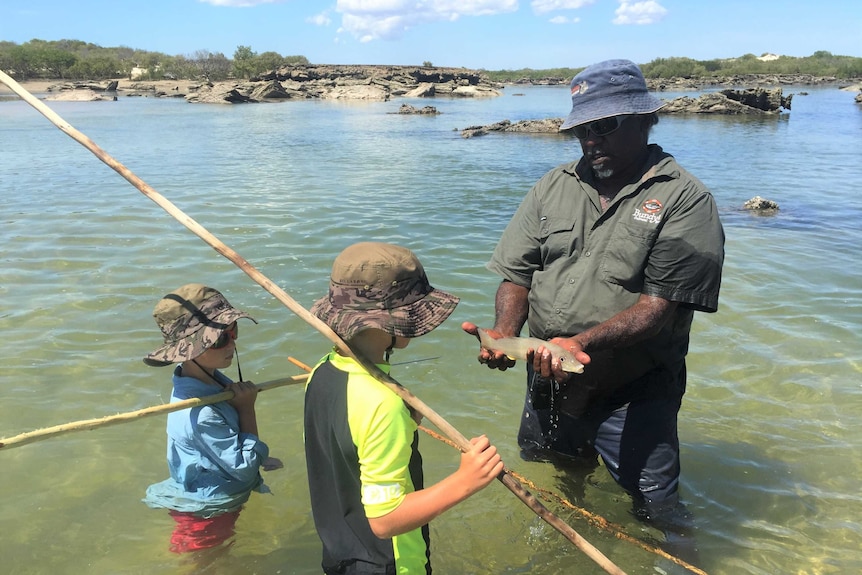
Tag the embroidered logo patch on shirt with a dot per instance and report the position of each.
(649, 212)
(377, 494)
(652, 206)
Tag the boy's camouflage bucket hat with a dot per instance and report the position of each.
(191, 319)
(377, 285)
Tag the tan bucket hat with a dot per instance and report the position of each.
(191, 318)
(384, 286)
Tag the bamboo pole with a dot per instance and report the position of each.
(126, 417)
(418, 405)
(89, 424)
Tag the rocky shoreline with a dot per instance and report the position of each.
(378, 83)
(374, 83)
(736, 81)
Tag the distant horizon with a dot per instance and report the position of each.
(480, 34)
(765, 57)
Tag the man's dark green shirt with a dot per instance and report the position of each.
(661, 236)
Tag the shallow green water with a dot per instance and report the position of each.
(772, 451)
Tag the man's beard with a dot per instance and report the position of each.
(600, 171)
(603, 174)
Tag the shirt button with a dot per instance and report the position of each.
(571, 280)
(587, 254)
(558, 310)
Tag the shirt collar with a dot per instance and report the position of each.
(350, 365)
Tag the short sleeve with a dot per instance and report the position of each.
(686, 261)
(383, 432)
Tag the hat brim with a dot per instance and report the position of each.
(614, 105)
(196, 343)
(410, 320)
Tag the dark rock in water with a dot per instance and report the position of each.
(766, 100)
(546, 126)
(752, 101)
(761, 205)
(426, 110)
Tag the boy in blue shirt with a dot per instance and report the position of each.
(214, 451)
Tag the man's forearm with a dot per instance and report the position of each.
(644, 319)
(510, 308)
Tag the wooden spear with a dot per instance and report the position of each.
(88, 424)
(419, 406)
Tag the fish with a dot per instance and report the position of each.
(517, 348)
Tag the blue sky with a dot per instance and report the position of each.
(489, 34)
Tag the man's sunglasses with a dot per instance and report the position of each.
(226, 336)
(599, 128)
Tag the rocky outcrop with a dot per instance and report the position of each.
(374, 83)
(82, 92)
(156, 90)
(751, 102)
(681, 84)
(761, 206)
(762, 99)
(546, 126)
(424, 111)
(856, 87)
(757, 80)
(312, 82)
(546, 81)
(373, 92)
(269, 92)
(81, 95)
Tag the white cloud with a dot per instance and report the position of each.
(648, 12)
(370, 20)
(564, 20)
(545, 6)
(239, 3)
(321, 19)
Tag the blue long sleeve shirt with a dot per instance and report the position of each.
(214, 466)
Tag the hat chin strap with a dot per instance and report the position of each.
(238, 368)
(385, 357)
(208, 374)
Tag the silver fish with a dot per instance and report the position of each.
(517, 348)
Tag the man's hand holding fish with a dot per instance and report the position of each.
(558, 358)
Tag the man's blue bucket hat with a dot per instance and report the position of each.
(609, 88)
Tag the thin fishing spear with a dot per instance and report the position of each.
(96, 423)
(44, 433)
(418, 405)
